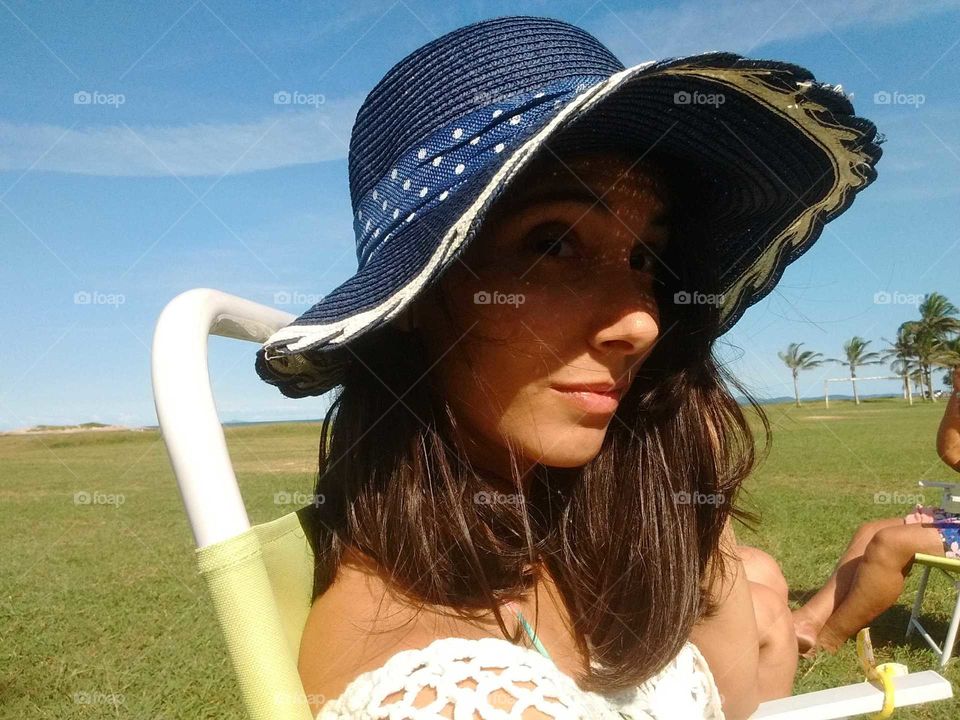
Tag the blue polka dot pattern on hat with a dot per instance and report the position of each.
(431, 171)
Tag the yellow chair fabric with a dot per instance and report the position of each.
(261, 584)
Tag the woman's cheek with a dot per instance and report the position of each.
(535, 304)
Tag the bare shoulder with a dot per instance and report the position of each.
(357, 626)
(457, 677)
(351, 629)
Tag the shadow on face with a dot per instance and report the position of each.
(556, 290)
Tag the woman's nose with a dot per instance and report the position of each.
(627, 318)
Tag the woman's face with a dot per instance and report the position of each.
(556, 291)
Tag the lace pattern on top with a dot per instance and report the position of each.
(491, 678)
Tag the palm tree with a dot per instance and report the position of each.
(796, 360)
(924, 347)
(938, 320)
(855, 351)
(916, 377)
(948, 356)
(900, 354)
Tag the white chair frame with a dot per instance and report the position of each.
(950, 501)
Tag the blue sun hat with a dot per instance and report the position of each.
(449, 127)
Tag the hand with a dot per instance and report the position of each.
(956, 379)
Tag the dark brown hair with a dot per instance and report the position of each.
(632, 539)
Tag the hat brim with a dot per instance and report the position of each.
(787, 155)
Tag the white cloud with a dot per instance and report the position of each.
(294, 138)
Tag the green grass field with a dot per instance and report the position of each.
(104, 615)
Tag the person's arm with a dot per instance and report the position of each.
(729, 639)
(948, 437)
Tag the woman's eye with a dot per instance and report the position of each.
(552, 239)
(557, 239)
(642, 259)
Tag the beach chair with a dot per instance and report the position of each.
(950, 501)
(260, 578)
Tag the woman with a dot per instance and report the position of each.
(532, 438)
(871, 573)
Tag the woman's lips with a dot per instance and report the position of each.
(592, 401)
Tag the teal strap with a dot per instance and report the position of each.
(532, 635)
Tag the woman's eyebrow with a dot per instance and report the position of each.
(550, 193)
(541, 194)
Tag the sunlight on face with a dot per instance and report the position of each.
(556, 290)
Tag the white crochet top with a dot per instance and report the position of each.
(465, 674)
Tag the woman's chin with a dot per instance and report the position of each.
(574, 450)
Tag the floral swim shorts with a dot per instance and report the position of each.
(948, 524)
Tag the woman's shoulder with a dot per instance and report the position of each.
(684, 688)
(477, 678)
(483, 678)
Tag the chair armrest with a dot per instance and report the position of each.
(857, 699)
(938, 484)
(944, 563)
(186, 412)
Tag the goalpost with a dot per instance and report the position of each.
(854, 381)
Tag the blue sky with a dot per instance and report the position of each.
(183, 172)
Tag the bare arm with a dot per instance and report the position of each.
(729, 640)
(948, 437)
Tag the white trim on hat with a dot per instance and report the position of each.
(749, 81)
